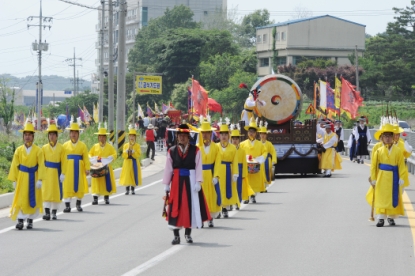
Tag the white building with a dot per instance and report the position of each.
(28, 97)
(316, 37)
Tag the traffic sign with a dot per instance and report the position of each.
(310, 110)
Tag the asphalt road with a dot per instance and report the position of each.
(302, 226)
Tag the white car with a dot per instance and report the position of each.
(405, 126)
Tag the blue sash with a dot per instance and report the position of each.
(239, 182)
(267, 167)
(184, 172)
(31, 171)
(135, 169)
(228, 179)
(56, 165)
(395, 183)
(206, 167)
(76, 158)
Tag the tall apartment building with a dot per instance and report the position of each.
(138, 15)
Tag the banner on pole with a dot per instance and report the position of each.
(148, 85)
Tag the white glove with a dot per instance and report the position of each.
(167, 188)
(260, 159)
(62, 177)
(235, 177)
(373, 182)
(197, 187)
(408, 147)
(93, 160)
(401, 181)
(215, 180)
(38, 184)
(110, 158)
(14, 184)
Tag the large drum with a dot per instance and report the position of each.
(98, 170)
(282, 97)
(253, 167)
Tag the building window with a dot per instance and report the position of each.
(281, 61)
(258, 39)
(264, 62)
(283, 36)
(205, 13)
(144, 16)
(277, 36)
(264, 38)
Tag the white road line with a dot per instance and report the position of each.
(171, 251)
(85, 205)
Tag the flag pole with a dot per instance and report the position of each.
(191, 104)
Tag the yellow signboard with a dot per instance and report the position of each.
(310, 110)
(148, 85)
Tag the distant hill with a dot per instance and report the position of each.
(49, 82)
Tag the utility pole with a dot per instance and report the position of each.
(357, 68)
(78, 80)
(75, 90)
(122, 12)
(40, 47)
(111, 72)
(101, 66)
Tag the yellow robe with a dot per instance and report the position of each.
(256, 180)
(243, 173)
(68, 169)
(99, 184)
(272, 159)
(227, 155)
(330, 159)
(21, 193)
(401, 145)
(375, 147)
(51, 191)
(384, 180)
(127, 177)
(209, 190)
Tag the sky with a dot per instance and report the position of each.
(74, 27)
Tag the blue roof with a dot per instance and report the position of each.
(289, 22)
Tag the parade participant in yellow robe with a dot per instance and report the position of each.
(103, 153)
(131, 168)
(209, 153)
(387, 177)
(52, 190)
(226, 170)
(75, 168)
(405, 148)
(257, 151)
(330, 159)
(271, 159)
(24, 171)
(242, 185)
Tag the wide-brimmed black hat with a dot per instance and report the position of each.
(183, 128)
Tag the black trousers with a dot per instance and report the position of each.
(151, 146)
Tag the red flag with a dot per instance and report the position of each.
(200, 98)
(350, 98)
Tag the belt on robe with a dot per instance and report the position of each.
(395, 183)
(174, 192)
(135, 169)
(266, 165)
(228, 179)
(239, 182)
(31, 171)
(76, 158)
(107, 176)
(56, 165)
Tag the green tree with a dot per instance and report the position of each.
(6, 104)
(179, 95)
(250, 22)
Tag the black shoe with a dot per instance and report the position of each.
(329, 175)
(218, 216)
(78, 206)
(127, 190)
(176, 240)
(210, 223)
(262, 192)
(19, 224)
(107, 199)
(391, 222)
(132, 190)
(29, 224)
(380, 223)
(230, 208)
(253, 199)
(68, 207)
(188, 238)
(237, 208)
(54, 217)
(95, 201)
(47, 214)
(246, 201)
(266, 191)
(225, 213)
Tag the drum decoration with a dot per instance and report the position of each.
(282, 97)
(253, 166)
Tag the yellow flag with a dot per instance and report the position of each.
(337, 92)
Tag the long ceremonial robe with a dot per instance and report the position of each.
(271, 159)
(330, 159)
(131, 168)
(52, 190)
(256, 180)
(242, 185)
(387, 193)
(69, 168)
(187, 207)
(212, 192)
(226, 165)
(21, 200)
(104, 185)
